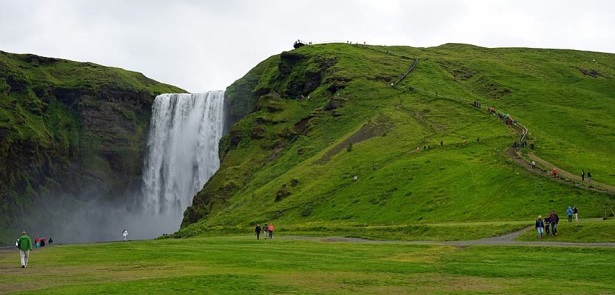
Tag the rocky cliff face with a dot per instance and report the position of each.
(69, 129)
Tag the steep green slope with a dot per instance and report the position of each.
(69, 128)
(326, 113)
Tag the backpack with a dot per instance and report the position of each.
(18, 243)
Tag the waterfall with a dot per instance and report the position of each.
(182, 153)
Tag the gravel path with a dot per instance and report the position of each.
(504, 240)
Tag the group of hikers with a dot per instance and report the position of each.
(267, 230)
(583, 174)
(548, 225)
(41, 242)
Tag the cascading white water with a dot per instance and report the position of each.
(182, 153)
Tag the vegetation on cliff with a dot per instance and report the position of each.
(320, 115)
(69, 128)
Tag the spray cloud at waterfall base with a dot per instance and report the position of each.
(181, 155)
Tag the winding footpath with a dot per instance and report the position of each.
(503, 240)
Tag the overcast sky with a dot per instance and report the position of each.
(202, 45)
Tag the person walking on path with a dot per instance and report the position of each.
(569, 213)
(257, 230)
(266, 231)
(554, 222)
(25, 246)
(582, 175)
(125, 234)
(540, 226)
(589, 177)
(270, 230)
(533, 164)
(575, 211)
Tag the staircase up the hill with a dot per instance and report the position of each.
(416, 61)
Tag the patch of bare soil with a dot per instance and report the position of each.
(366, 132)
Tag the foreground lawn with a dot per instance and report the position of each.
(300, 265)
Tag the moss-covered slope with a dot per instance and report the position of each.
(69, 128)
(322, 114)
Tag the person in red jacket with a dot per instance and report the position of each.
(270, 229)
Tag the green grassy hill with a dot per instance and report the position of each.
(322, 114)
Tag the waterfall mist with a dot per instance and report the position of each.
(181, 155)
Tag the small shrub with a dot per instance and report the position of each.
(307, 211)
(281, 195)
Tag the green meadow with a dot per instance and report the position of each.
(307, 265)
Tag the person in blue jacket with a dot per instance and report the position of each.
(540, 226)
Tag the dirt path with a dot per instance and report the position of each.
(504, 240)
(544, 168)
(593, 185)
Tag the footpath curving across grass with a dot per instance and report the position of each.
(413, 232)
(586, 231)
(301, 265)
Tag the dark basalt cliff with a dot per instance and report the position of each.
(69, 129)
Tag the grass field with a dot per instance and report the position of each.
(303, 265)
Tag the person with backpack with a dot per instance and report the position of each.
(569, 213)
(24, 243)
(575, 211)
